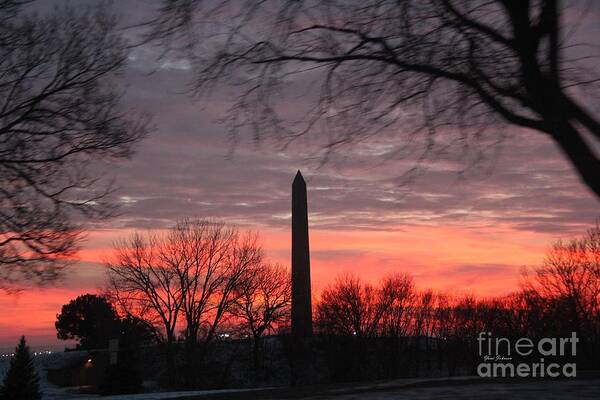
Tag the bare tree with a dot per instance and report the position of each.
(397, 304)
(263, 301)
(244, 257)
(570, 275)
(193, 271)
(211, 261)
(385, 65)
(58, 113)
(143, 286)
(200, 253)
(349, 307)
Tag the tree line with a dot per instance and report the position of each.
(420, 328)
(203, 282)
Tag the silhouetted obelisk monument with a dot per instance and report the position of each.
(301, 301)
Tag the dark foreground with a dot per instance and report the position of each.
(470, 388)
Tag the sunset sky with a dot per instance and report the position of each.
(460, 233)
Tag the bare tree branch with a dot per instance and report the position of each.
(59, 112)
(385, 66)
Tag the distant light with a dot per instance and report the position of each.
(89, 360)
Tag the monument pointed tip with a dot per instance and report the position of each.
(299, 177)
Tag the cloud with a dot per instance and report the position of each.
(185, 168)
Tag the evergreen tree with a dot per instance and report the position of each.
(89, 318)
(21, 382)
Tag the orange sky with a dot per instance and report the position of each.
(484, 261)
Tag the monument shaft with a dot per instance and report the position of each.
(301, 293)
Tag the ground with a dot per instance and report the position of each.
(467, 388)
(563, 390)
(586, 386)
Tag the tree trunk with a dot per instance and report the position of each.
(191, 363)
(580, 154)
(170, 363)
(256, 352)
